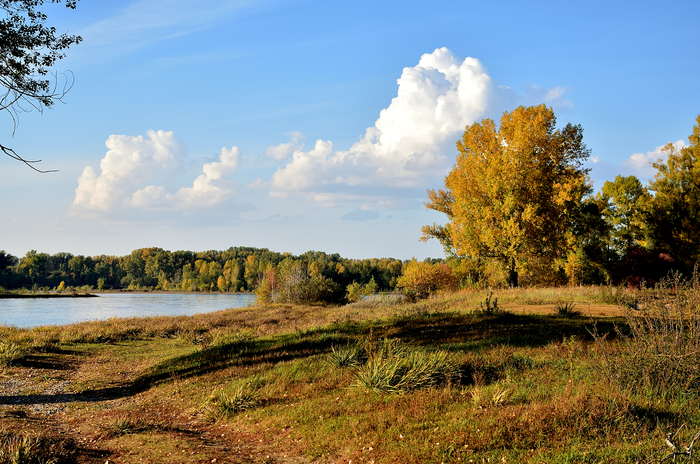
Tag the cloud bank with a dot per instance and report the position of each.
(410, 147)
(132, 162)
(412, 143)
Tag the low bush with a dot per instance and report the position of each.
(661, 350)
(11, 352)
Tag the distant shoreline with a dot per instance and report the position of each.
(47, 295)
(64, 294)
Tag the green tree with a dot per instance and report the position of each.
(28, 49)
(291, 279)
(674, 218)
(33, 266)
(626, 203)
(514, 191)
(7, 262)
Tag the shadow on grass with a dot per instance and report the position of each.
(454, 331)
(477, 332)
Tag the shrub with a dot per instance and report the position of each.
(11, 352)
(320, 289)
(419, 279)
(661, 351)
(355, 291)
(263, 292)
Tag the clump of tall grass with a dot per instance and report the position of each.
(660, 352)
(393, 367)
(11, 352)
(490, 307)
(29, 449)
(230, 401)
(382, 300)
(567, 310)
(18, 450)
(616, 295)
(125, 426)
(351, 355)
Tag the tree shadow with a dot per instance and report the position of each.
(456, 331)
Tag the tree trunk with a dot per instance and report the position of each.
(512, 275)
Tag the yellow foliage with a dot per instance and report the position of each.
(513, 191)
(424, 278)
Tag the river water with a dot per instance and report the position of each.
(33, 312)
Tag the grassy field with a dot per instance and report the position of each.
(515, 376)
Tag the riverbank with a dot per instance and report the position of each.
(521, 382)
(11, 295)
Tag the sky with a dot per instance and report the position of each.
(300, 125)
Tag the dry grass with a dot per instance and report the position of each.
(660, 349)
(279, 383)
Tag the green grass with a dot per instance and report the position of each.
(431, 382)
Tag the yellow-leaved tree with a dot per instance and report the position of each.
(514, 192)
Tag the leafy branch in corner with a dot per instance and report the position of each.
(28, 49)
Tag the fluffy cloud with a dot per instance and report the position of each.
(638, 164)
(132, 162)
(411, 144)
(283, 150)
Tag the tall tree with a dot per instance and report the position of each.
(514, 191)
(626, 201)
(675, 210)
(28, 50)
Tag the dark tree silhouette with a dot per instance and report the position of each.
(28, 50)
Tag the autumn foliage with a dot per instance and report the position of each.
(514, 191)
(421, 278)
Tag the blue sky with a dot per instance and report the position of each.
(300, 125)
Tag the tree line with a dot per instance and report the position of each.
(521, 209)
(232, 270)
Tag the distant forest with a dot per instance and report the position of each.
(232, 270)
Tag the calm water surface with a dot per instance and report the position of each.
(33, 312)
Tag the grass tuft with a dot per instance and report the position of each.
(227, 403)
(567, 310)
(11, 352)
(395, 368)
(24, 448)
(125, 426)
(346, 356)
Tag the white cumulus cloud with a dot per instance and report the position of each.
(412, 143)
(283, 150)
(638, 165)
(131, 163)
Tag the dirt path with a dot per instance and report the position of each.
(90, 402)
